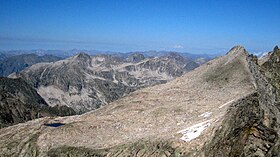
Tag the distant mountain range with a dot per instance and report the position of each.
(69, 53)
(16, 60)
(85, 82)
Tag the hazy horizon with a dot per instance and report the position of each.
(196, 27)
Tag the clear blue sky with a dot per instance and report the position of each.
(205, 26)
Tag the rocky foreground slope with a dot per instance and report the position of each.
(85, 82)
(19, 103)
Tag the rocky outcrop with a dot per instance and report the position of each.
(19, 103)
(85, 82)
(19, 62)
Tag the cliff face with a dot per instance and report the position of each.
(251, 125)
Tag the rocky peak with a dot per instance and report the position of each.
(237, 50)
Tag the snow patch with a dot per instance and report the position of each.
(194, 131)
(206, 114)
(226, 104)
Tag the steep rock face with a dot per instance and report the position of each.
(174, 119)
(19, 103)
(251, 125)
(19, 62)
(84, 83)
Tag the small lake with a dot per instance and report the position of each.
(54, 124)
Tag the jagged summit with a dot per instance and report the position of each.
(276, 48)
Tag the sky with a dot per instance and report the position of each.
(196, 26)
